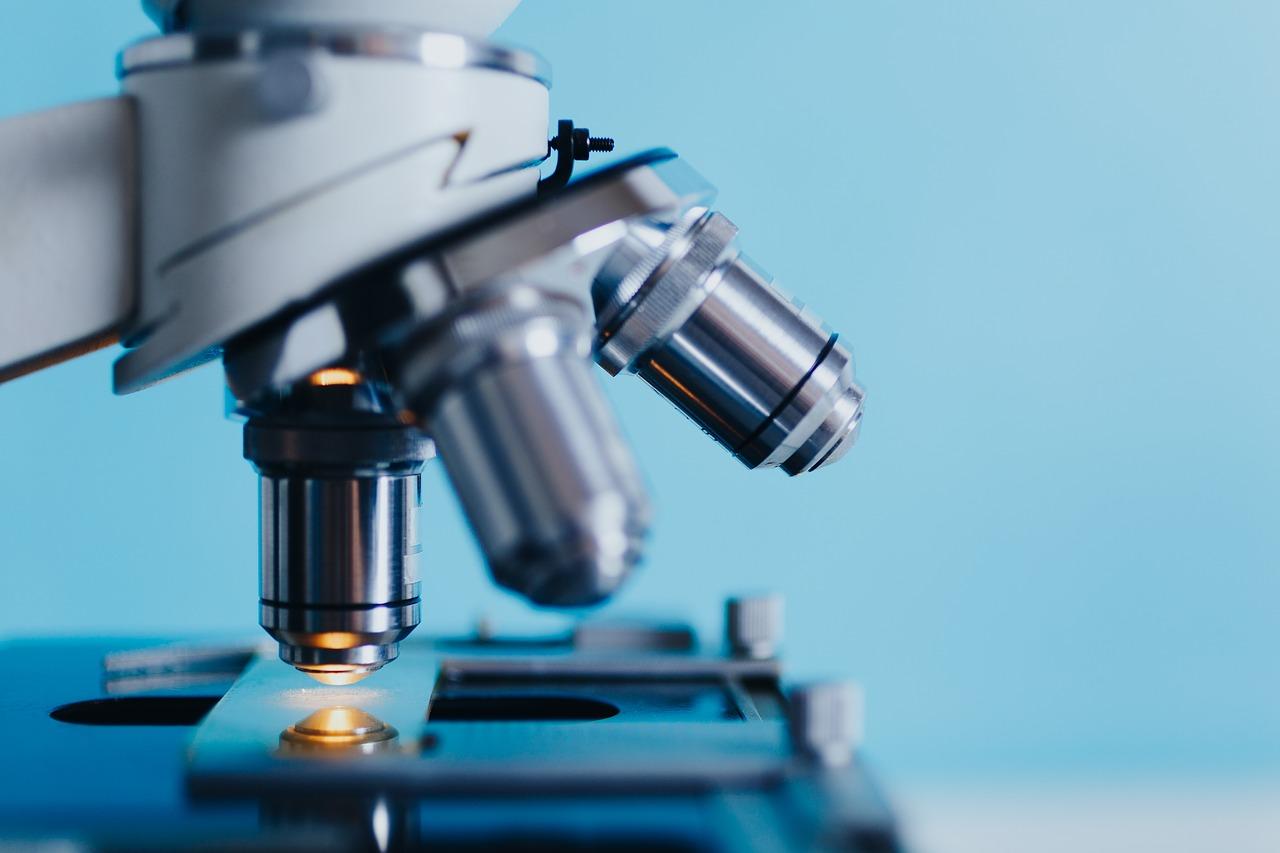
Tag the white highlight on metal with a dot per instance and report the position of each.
(446, 52)
(599, 238)
(381, 825)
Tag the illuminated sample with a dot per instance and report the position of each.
(337, 729)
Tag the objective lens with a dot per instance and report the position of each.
(541, 470)
(681, 306)
(339, 498)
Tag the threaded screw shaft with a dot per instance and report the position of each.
(594, 143)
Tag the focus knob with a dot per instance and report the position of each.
(753, 625)
(826, 721)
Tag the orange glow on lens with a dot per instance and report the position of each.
(337, 675)
(335, 640)
(339, 720)
(335, 376)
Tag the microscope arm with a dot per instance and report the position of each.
(68, 229)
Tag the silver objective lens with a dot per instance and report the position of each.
(680, 305)
(502, 386)
(338, 515)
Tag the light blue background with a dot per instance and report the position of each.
(1050, 232)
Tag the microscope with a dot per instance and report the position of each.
(355, 207)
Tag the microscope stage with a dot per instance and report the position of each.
(606, 738)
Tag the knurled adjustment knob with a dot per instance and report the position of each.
(753, 625)
(826, 721)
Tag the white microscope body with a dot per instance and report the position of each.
(263, 152)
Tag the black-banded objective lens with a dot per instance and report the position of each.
(682, 307)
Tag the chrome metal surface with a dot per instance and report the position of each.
(703, 325)
(333, 626)
(339, 495)
(753, 625)
(656, 279)
(340, 540)
(446, 51)
(339, 576)
(531, 448)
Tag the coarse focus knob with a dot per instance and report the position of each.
(753, 625)
(826, 720)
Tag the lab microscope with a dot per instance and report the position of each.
(359, 210)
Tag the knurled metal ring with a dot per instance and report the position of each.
(675, 291)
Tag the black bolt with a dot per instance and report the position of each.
(570, 143)
(583, 144)
(594, 143)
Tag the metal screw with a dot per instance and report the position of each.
(753, 625)
(571, 143)
(594, 143)
(826, 720)
(583, 144)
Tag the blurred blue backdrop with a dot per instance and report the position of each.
(1050, 231)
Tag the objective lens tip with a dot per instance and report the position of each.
(837, 431)
(338, 675)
